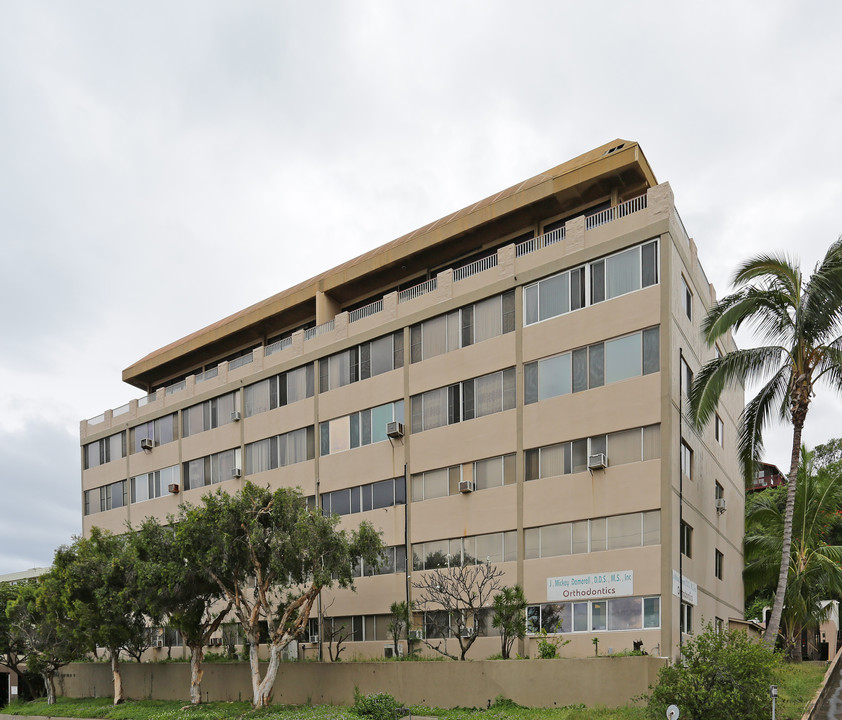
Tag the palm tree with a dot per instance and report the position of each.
(814, 572)
(801, 323)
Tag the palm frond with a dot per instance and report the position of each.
(740, 366)
(755, 417)
(776, 272)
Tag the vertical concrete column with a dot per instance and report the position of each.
(659, 201)
(297, 346)
(574, 234)
(444, 285)
(257, 357)
(190, 385)
(506, 261)
(223, 372)
(340, 325)
(326, 308)
(390, 306)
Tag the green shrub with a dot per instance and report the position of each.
(377, 706)
(724, 676)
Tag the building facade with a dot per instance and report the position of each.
(505, 384)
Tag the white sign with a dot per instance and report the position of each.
(588, 587)
(691, 590)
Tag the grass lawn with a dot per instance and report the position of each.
(797, 686)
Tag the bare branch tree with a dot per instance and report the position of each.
(454, 600)
(336, 631)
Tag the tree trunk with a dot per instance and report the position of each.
(118, 678)
(771, 634)
(255, 670)
(196, 673)
(50, 686)
(263, 692)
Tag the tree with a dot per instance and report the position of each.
(724, 676)
(814, 573)
(12, 640)
(98, 580)
(50, 639)
(400, 615)
(800, 322)
(271, 556)
(509, 617)
(454, 600)
(177, 589)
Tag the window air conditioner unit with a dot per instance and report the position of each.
(416, 634)
(721, 505)
(388, 651)
(466, 486)
(394, 429)
(146, 444)
(173, 488)
(314, 639)
(235, 416)
(236, 472)
(468, 632)
(159, 643)
(597, 462)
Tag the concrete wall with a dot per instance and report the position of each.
(535, 683)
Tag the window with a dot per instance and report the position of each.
(686, 377)
(719, 625)
(686, 540)
(161, 431)
(624, 272)
(436, 483)
(609, 277)
(153, 484)
(279, 390)
(354, 628)
(361, 362)
(456, 552)
(686, 298)
(486, 473)
(593, 366)
(718, 490)
(686, 460)
(469, 325)
(282, 450)
(554, 296)
(466, 400)
(209, 414)
(717, 564)
(105, 450)
(107, 497)
(360, 428)
(686, 618)
(372, 496)
(392, 560)
(611, 533)
(212, 469)
(627, 613)
(719, 430)
(620, 447)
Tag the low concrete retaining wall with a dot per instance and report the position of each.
(535, 683)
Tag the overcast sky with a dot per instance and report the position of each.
(254, 144)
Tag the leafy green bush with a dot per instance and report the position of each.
(377, 706)
(723, 676)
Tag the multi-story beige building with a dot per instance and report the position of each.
(503, 384)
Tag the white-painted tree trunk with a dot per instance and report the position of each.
(50, 686)
(118, 678)
(263, 690)
(196, 672)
